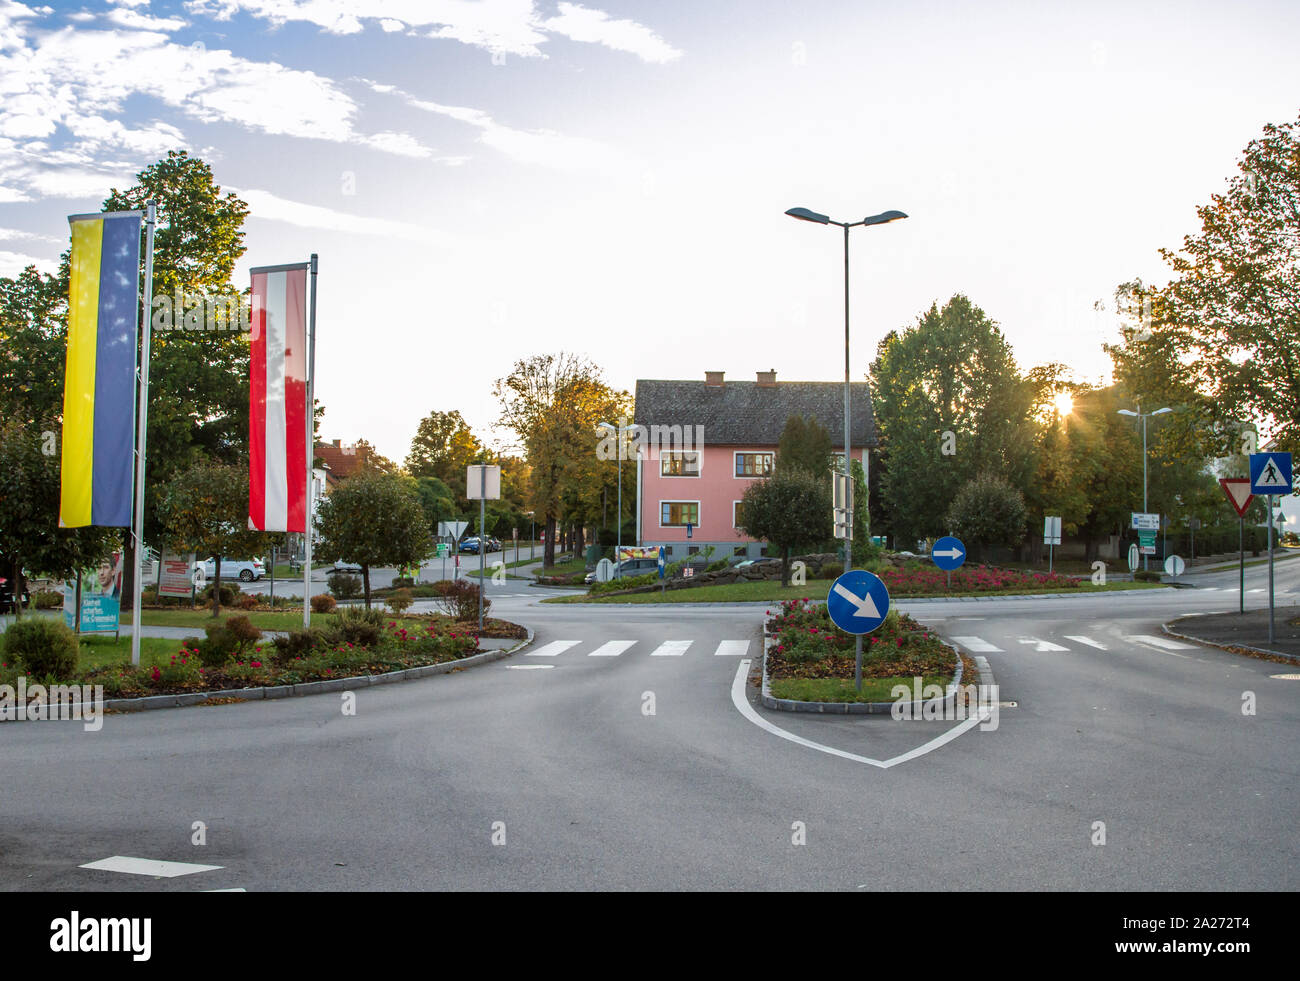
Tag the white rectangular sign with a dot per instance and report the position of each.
(1145, 522)
(176, 573)
(1051, 530)
(483, 486)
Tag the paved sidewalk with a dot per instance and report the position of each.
(1249, 629)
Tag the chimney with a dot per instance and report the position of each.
(338, 442)
(767, 379)
(713, 378)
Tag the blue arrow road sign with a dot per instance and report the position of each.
(1270, 473)
(948, 553)
(661, 561)
(858, 602)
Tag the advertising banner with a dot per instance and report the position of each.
(177, 575)
(101, 597)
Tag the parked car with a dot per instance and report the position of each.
(342, 565)
(628, 568)
(471, 545)
(246, 570)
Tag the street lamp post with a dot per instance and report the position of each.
(803, 214)
(618, 549)
(1144, 416)
(532, 535)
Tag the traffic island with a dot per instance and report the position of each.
(1244, 633)
(808, 665)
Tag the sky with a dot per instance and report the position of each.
(485, 180)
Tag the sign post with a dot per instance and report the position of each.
(1051, 535)
(948, 554)
(483, 483)
(1270, 476)
(1237, 491)
(857, 603)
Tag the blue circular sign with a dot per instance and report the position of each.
(858, 602)
(948, 553)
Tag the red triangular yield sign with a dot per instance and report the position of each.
(1238, 492)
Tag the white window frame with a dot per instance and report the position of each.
(699, 464)
(754, 476)
(734, 506)
(663, 501)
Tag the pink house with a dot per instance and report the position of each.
(703, 442)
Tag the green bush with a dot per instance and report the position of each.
(47, 599)
(229, 593)
(358, 626)
(1146, 575)
(627, 582)
(344, 585)
(242, 629)
(461, 601)
(302, 643)
(44, 645)
(715, 566)
(400, 600)
(832, 570)
(403, 582)
(219, 645)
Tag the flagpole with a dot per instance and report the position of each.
(311, 445)
(141, 431)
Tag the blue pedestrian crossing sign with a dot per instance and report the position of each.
(858, 602)
(1270, 473)
(948, 553)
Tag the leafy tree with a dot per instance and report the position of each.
(29, 510)
(953, 372)
(1231, 309)
(437, 500)
(204, 509)
(789, 510)
(33, 345)
(443, 447)
(804, 445)
(988, 511)
(374, 519)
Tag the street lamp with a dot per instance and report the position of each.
(618, 549)
(1144, 416)
(532, 535)
(803, 214)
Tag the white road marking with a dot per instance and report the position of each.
(732, 647)
(611, 648)
(977, 645)
(1162, 642)
(1042, 646)
(739, 700)
(553, 649)
(528, 667)
(1086, 640)
(147, 866)
(671, 648)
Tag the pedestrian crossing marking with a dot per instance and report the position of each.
(1085, 640)
(612, 648)
(554, 648)
(1043, 646)
(671, 648)
(977, 645)
(1163, 642)
(147, 866)
(730, 648)
(528, 667)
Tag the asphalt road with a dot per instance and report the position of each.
(556, 750)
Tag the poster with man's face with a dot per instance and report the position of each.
(106, 579)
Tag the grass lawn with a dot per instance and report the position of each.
(843, 690)
(771, 592)
(198, 619)
(98, 652)
(566, 568)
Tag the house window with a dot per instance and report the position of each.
(740, 550)
(679, 513)
(686, 464)
(692, 550)
(754, 464)
(737, 514)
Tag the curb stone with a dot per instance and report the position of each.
(1229, 648)
(150, 702)
(769, 700)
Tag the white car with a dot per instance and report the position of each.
(245, 569)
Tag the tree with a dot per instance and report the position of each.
(204, 509)
(374, 519)
(437, 500)
(950, 403)
(29, 510)
(1232, 308)
(804, 445)
(33, 345)
(988, 511)
(789, 510)
(443, 447)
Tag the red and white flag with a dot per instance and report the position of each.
(277, 416)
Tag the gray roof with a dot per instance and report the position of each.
(744, 413)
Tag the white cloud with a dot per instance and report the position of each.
(264, 204)
(11, 195)
(12, 263)
(597, 27)
(16, 233)
(145, 22)
(509, 26)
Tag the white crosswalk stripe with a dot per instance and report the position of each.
(671, 648)
(148, 866)
(977, 645)
(729, 648)
(1042, 646)
(1086, 640)
(1161, 642)
(553, 649)
(611, 648)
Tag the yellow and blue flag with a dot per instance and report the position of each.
(99, 384)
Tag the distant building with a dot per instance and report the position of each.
(704, 442)
(339, 461)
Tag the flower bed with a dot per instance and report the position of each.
(923, 580)
(809, 645)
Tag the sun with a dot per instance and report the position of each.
(1064, 402)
